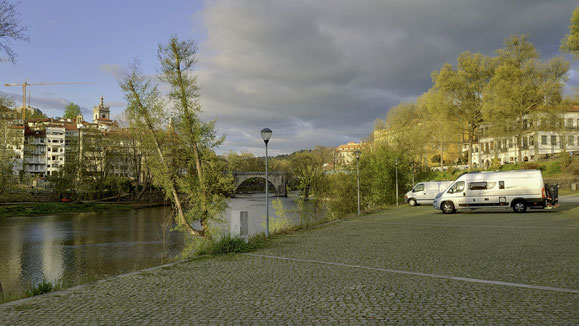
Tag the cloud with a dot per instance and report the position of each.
(113, 69)
(320, 74)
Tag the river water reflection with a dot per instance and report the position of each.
(75, 247)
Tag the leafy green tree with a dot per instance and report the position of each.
(570, 43)
(8, 139)
(204, 183)
(463, 87)
(308, 170)
(405, 127)
(378, 175)
(521, 88)
(438, 120)
(71, 111)
(145, 111)
(180, 146)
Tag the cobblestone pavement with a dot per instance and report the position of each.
(406, 265)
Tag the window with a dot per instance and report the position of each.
(419, 187)
(510, 143)
(457, 187)
(477, 185)
(571, 140)
(553, 140)
(544, 140)
(569, 123)
(501, 185)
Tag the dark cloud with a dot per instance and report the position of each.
(320, 72)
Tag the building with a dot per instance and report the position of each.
(542, 138)
(43, 146)
(344, 154)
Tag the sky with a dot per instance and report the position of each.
(315, 72)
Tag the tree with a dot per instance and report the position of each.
(145, 111)
(438, 120)
(71, 111)
(10, 30)
(8, 141)
(405, 129)
(464, 87)
(570, 43)
(181, 158)
(204, 181)
(307, 169)
(521, 88)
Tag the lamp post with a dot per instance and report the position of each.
(266, 135)
(396, 166)
(357, 153)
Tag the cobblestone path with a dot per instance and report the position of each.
(411, 266)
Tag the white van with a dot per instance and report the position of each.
(424, 192)
(515, 189)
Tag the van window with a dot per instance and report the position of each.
(481, 185)
(501, 185)
(457, 187)
(419, 187)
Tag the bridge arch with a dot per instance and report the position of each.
(277, 179)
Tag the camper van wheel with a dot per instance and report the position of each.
(447, 207)
(519, 207)
(412, 202)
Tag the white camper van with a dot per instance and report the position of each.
(424, 192)
(515, 189)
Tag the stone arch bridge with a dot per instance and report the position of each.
(277, 179)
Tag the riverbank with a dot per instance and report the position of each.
(35, 209)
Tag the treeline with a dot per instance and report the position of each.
(503, 96)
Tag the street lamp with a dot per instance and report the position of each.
(266, 135)
(357, 153)
(396, 166)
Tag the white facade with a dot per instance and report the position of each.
(539, 142)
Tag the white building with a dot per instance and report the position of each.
(542, 139)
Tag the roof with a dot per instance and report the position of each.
(70, 126)
(574, 108)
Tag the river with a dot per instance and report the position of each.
(79, 247)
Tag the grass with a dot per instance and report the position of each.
(56, 208)
(41, 288)
(228, 244)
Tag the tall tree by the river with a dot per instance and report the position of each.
(204, 182)
(464, 86)
(521, 88)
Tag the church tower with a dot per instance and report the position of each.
(101, 111)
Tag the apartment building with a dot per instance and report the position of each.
(542, 138)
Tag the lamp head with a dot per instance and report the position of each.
(266, 134)
(357, 153)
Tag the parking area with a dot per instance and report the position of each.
(406, 265)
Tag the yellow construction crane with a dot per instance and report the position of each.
(26, 83)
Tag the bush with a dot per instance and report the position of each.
(226, 244)
(40, 288)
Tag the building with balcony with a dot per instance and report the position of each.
(542, 138)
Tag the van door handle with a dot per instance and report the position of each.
(464, 194)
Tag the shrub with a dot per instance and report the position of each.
(40, 288)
